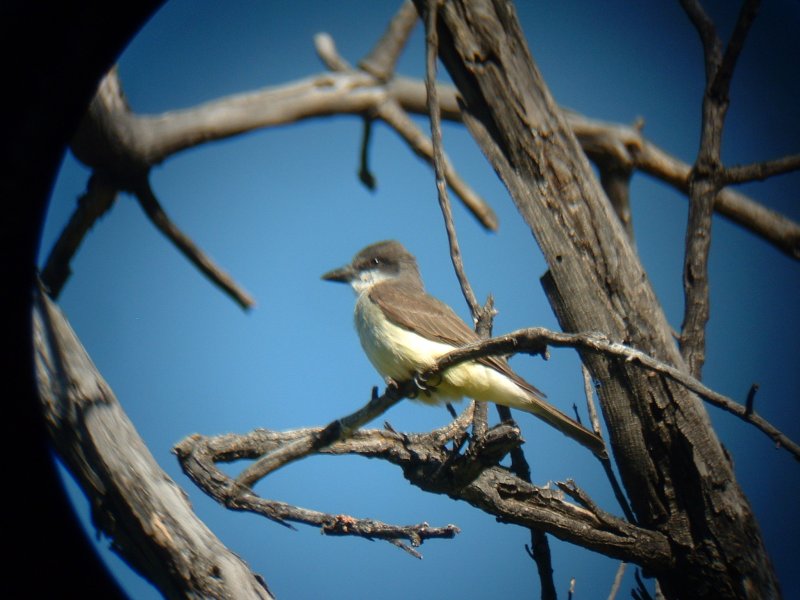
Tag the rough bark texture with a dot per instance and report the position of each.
(673, 467)
(134, 502)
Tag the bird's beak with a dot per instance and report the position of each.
(342, 274)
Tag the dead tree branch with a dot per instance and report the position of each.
(534, 340)
(428, 463)
(134, 502)
(390, 110)
(111, 141)
(92, 205)
(155, 212)
(705, 179)
(629, 147)
(482, 316)
(762, 170)
(198, 456)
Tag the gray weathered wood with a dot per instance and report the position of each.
(145, 514)
(672, 464)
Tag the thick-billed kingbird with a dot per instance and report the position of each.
(403, 330)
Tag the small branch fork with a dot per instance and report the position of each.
(707, 176)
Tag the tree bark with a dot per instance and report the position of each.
(674, 469)
(134, 502)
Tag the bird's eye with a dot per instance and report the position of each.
(376, 261)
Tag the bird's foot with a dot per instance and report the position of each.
(426, 382)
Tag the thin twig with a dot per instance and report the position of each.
(482, 316)
(605, 461)
(751, 397)
(432, 46)
(364, 174)
(720, 85)
(761, 170)
(588, 390)
(612, 594)
(154, 211)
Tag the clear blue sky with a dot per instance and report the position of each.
(277, 208)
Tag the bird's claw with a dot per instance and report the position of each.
(426, 383)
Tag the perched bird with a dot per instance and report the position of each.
(403, 330)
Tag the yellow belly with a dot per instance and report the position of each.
(399, 353)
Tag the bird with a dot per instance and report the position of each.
(403, 330)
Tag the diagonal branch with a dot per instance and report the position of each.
(535, 340)
(381, 61)
(92, 205)
(720, 85)
(156, 214)
(134, 503)
(390, 110)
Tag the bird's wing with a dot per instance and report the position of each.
(411, 308)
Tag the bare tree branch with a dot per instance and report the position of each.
(482, 315)
(534, 340)
(380, 62)
(92, 205)
(612, 594)
(430, 465)
(432, 45)
(198, 456)
(133, 501)
(705, 179)
(393, 114)
(762, 170)
(337, 430)
(154, 211)
(627, 144)
(720, 86)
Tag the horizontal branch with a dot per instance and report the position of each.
(761, 170)
(198, 455)
(627, 144)
(535, 340)
(429, 464)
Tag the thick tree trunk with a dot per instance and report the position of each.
(674, 469)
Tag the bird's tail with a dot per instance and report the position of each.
(566, 425)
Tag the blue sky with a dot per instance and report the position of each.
(277, 208)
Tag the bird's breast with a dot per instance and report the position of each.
(394, 351)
